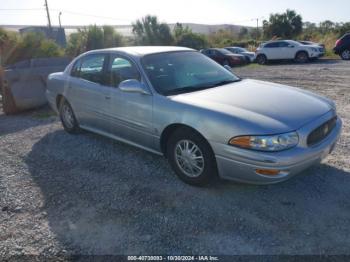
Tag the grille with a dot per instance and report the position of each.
(321, 132)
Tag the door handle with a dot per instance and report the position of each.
(107, 97)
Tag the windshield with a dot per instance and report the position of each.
(240, 49)
(291, 42)
(182, 72)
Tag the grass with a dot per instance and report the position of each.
(43, 114)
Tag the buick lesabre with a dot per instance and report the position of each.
(204, 119)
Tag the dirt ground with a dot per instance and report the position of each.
(62, 194)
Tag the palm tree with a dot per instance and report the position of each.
(148, 31)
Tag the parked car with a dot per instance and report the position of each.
(323, 50)
(250, 56)
(287, 50)
(176, 102)
(224, 57)
(342, 47)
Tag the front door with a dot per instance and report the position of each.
(132, 113)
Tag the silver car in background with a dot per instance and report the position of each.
(179, 103)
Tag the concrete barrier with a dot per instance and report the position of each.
(23, 85)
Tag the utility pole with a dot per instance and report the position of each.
(59, 19)
(48, 16)
(257, 30)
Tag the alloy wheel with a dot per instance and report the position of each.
(67, 116)
(189, 158)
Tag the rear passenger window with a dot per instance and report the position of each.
(121, 69)
(91, 68)
(283, 44)
(272, 45)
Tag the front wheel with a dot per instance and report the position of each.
(345, 55)
(302, 57)
(191, 157)
(68, 119)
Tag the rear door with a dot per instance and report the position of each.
(87, 91)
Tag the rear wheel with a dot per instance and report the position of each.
(345, 55)
(191, 157)
(261, 59)
(302, 57)
(68, 119)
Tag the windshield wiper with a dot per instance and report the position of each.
(185, 89)
(225, 82)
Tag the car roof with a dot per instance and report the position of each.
(144, 50)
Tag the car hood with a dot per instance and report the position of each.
(267, 107)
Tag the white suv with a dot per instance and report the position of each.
(287, 49)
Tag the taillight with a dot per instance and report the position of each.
(338, 42)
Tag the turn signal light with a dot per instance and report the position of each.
(241, 141)
(267, 172)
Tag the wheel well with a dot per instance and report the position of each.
(169, 130)
(302, 51)
(58, 101)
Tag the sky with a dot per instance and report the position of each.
(120, 12)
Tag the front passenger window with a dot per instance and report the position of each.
(121, 69)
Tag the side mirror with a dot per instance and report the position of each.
(133, 86)
(228, 68)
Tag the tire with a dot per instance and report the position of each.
(8, 102)
(261, 59)
(180, 160)
(302, 57)
(68, 119)
(345, 54)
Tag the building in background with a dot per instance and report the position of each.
(57, 34)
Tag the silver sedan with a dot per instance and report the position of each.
(206, 121)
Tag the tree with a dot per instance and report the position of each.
(326, 27)
(34, 45)
(221, 37)
(76, 44)
(243, 32)
(286, 25)
(180, 30)
(93, 37)
(111, 38)
(183, 36)
(148, 31)
(8, 45)
(343, 28)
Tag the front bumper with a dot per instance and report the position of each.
(316, 54)
(241, 164)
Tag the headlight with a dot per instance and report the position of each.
(314, 49)
(266, 143)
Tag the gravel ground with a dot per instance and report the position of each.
(62, 194)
